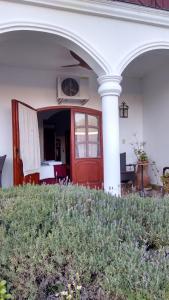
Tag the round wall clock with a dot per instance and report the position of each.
(70, 87)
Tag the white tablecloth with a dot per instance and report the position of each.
(46, 172)
(51, 163)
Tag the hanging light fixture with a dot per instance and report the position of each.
(123, 110)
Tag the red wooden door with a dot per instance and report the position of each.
(18, 176)
(86, 147)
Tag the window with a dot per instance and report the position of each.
(87, 136)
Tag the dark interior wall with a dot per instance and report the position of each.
(61, 121)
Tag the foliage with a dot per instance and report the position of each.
(73, 290)
(165, 181)
(165, 176)
(3, 291)
(138, 148)
(143, 157)
(119, 247)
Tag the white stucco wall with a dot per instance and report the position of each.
(38, 89)
(133, 125)
(156, 117)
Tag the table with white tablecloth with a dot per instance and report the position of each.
(52, 171)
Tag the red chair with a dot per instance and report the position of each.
(60, 171)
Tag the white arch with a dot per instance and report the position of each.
(157, 45)
(68, 39)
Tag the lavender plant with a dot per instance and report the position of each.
(118, 246)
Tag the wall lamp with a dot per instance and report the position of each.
(123, 110)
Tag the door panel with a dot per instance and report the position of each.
(89, 172)
(18, 176)
(86, 147)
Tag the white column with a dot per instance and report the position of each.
(109, 91)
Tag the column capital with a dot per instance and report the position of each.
(109, 85)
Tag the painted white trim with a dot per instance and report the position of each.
(102, 65)
(141, 49)
(109, 85)
(106, 8)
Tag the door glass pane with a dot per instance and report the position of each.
(93, 150)
(80, 150)
(93, 135)
(80, 135)
(92, 121)
(87, 136)
(79, 120)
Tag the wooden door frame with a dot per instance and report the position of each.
(79, 109)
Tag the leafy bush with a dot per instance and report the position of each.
(119, 247)
(3, 291)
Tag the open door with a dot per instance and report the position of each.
(26, 149)
(86, 147)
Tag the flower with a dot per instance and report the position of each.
(64, 293)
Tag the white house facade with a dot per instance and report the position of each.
(124, 52)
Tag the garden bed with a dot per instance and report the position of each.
(84, 243)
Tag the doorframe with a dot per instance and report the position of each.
(67, 107)
(78, 109)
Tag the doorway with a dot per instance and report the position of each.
(54, 133)
(69, 139)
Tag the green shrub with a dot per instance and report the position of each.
(119, 247)
(3, 291)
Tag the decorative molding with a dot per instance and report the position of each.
(109, 85)
(106, 8)
(143, 48)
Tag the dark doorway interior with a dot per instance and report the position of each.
(49, 143)
(55, 136)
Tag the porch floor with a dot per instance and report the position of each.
(128, 189)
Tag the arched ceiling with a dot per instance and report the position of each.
(147, 63)
(37, 50)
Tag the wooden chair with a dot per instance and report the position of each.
(2, 160)
(128, 172)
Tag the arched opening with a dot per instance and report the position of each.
(32, 63)
(145, 90)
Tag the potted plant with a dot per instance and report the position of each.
(165, 181)
(140, 153)
(142, 164)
